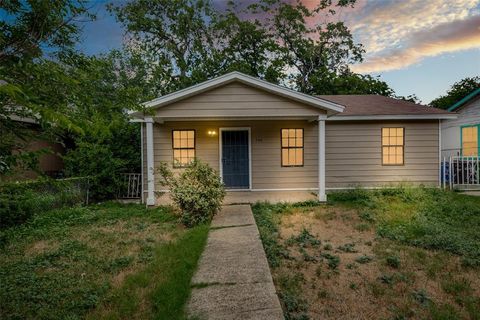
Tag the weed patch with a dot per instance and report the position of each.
(407, 262)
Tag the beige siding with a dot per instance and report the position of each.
(267, 172)
(236, 99)
(353, 154)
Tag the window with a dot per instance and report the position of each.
(183, 147)
(470, 141)
(292, 147)
(392, 146)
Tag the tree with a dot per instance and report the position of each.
(349, 83)
(108, 143)
(247, 46)
(457, 92)
(173, 40)
(184, 42)
(312, 52)
(30, 85)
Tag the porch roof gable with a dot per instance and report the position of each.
(328, 106)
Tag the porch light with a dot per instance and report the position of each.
(211, 133)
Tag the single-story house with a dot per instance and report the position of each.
(50, 163)
(461, 136)
(269, 142)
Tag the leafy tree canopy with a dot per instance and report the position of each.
(456, 92)
(175, 44)
(32, 86)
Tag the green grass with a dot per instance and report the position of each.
(423, 217)
(160, 290)
(72, 262)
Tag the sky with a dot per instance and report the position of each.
(417, 46)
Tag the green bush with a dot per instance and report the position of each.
(99, 163)
(197, 191)
(19, 202)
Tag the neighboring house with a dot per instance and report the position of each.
(461, 136)
(272, 143)
(51, 163)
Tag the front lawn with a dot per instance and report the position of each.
(102, 261)
(406, 253)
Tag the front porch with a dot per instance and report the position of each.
(248, 154)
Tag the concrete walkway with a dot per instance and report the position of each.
(233, 280)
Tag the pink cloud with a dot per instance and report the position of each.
(448, 37)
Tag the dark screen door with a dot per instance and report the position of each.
(235, 159)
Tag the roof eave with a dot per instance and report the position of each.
(464, 100)
(394, 117)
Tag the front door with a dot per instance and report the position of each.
(235, 159)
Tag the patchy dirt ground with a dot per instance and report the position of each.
(345, 272)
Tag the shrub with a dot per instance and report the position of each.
(363, 259)
(304, 239)
(19, 202)
(197, 191)
(393, 261)
(100, 164)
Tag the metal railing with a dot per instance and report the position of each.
(131, 186)
(461, 173)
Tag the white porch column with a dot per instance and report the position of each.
(321, 159)
(150, 163)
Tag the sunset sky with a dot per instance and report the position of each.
(416, 46)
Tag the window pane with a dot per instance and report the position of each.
(385, 155)
(291, 141)
(176, 134)
(299, 141)
(183, 142)
(176, 154)
(190, 143)
(386, 140)
(176, 142)
(298, 157)
(284, 142)
(291, 157)
(399, 159)
(291, 133)
(386, 132)
(284, 133)
(299, 133)
(284, 157)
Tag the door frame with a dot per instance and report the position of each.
(220, 154)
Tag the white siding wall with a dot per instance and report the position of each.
(467, 115)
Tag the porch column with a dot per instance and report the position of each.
(150, 163)
(321, 159)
